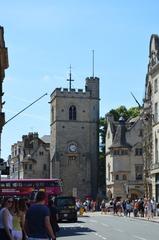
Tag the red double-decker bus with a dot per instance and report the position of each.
(29, 187)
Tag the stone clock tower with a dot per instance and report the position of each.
(74, 138)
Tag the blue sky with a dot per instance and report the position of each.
(45, 36)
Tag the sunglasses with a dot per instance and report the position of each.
(10, 201)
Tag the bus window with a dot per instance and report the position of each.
(39, 184)
(2, 184)
(27, 184)
(8, 184)
(53, 184)
(14, 184)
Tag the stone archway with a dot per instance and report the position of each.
(135, 194)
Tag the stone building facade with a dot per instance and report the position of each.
(74, 138)
(151, 117)
(30, 158)
(124, 158)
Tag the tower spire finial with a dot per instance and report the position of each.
(93, 63)
(70, 78)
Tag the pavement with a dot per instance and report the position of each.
(87, 214)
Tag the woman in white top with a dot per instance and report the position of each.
(6, 219)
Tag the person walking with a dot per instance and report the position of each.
(22, 209)
(18, 219)
(6, 219)
(102, 206)
(53, 216)
(16, 231)
(128, 207)
(37, 221)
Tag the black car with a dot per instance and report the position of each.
(66, 208)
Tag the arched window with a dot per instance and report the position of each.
(117, 177)
(72, 113)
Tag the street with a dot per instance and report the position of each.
(97, 226)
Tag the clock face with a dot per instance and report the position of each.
(72, 147)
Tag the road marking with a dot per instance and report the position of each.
(118, 230)
(140, 238)
(81, 226)
(100, 236)
(93, 221)
(104, 224)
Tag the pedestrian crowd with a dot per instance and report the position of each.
(20, 220)
(143, 207)
(87, 205)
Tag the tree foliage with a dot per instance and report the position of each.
(126, 113)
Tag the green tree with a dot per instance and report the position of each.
(126, 113)
(101, 172)
(133, 112)
(118, 112)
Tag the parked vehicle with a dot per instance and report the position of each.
(66, 208)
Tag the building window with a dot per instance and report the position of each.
(30, 166)
(120, 152)
(157, 177)
(124, 177)
(15, 152)
(156, 150)
(108, 135)
(52, 115)
(108, 172)
(140, 133)
(41, 153)
(138, 151)
(124, 152)
(155, 85)
(156, 113)
(44, 167)
(139, 172)
(117, 177)
(72, 158)
(116, 152)
(25, 167)
(72, 113)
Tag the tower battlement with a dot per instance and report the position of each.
(65, 92)
(91, 90)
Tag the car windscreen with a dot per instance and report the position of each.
(64, 202)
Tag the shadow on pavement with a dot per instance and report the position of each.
(73, 231)
(81, 216)
(79, 221)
